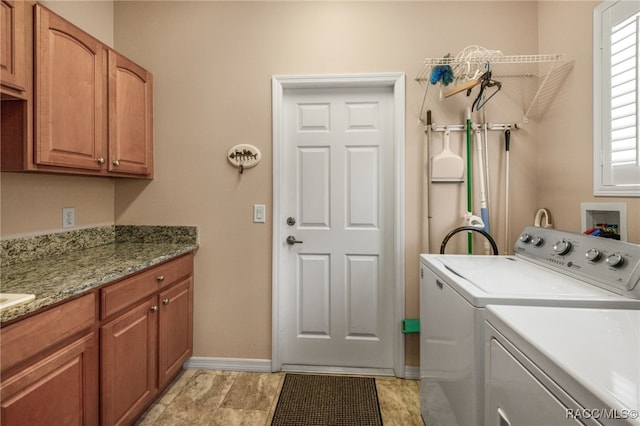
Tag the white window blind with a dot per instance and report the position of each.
(624, 101)
(617, 98)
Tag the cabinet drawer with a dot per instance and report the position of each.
(130, 290)
(26, 338)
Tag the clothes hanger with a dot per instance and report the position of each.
(486, 81)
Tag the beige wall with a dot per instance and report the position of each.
(565, 145)
(212, 64)
(32, 204)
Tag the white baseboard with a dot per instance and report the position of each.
(264, 366)
(231, 364)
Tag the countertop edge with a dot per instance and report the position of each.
(43, 302)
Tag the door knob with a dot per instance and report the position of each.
(291, 240)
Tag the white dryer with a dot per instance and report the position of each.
(550, 268)
(557, 366)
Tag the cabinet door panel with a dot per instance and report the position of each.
(13, 44)
(176, 329)
(130, 117)
(128, 363)
(70, 94)
(62, 388)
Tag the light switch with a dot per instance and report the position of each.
(259, 213)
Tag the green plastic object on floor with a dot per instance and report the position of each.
(411, 325)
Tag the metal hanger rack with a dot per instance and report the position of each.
(548, 72)
(475, 126)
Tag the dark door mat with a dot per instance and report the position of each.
(308, 400)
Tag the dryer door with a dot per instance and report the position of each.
(516, 397)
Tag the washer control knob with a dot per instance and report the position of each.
(525, 238)
(562, 247)
(593, 255)
(537, 241)
(615, 260)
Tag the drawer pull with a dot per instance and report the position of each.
(165, 301)
(160, 278)
(154, 308)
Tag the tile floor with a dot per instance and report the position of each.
(229, 398)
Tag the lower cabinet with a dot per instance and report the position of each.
(175, 339)
(61, 389)
(144, 346)
(128, 347)
(66, 366)
(50, 367)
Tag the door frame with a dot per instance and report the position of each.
(397, 82)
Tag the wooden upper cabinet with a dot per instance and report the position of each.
(70, 90)
(130, 117)
(15, 48)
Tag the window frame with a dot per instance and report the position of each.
(602, 18)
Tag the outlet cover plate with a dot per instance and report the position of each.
(68, 217)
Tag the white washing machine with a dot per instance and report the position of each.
(550, 268)
(557, 366)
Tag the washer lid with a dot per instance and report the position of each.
(593, 354)
(507, 275)
(505, 280)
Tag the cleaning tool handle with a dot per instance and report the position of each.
(484, 215)
(469, 175)
(507, 139)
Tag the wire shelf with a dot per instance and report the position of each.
(482, 60)
(548, 70)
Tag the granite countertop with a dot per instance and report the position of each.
(54, 278)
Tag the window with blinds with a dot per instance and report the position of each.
(617, 98)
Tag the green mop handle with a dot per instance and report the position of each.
(469, 171)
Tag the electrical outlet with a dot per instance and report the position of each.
(68, 217)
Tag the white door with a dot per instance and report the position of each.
(337, 203)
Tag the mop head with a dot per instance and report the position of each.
(442, 73)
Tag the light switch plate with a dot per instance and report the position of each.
(68, 217)
(259, 213)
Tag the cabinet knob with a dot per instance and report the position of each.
(154, 308)
(115, 163)
(100, 160)
(165, 301)
(160, 278)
